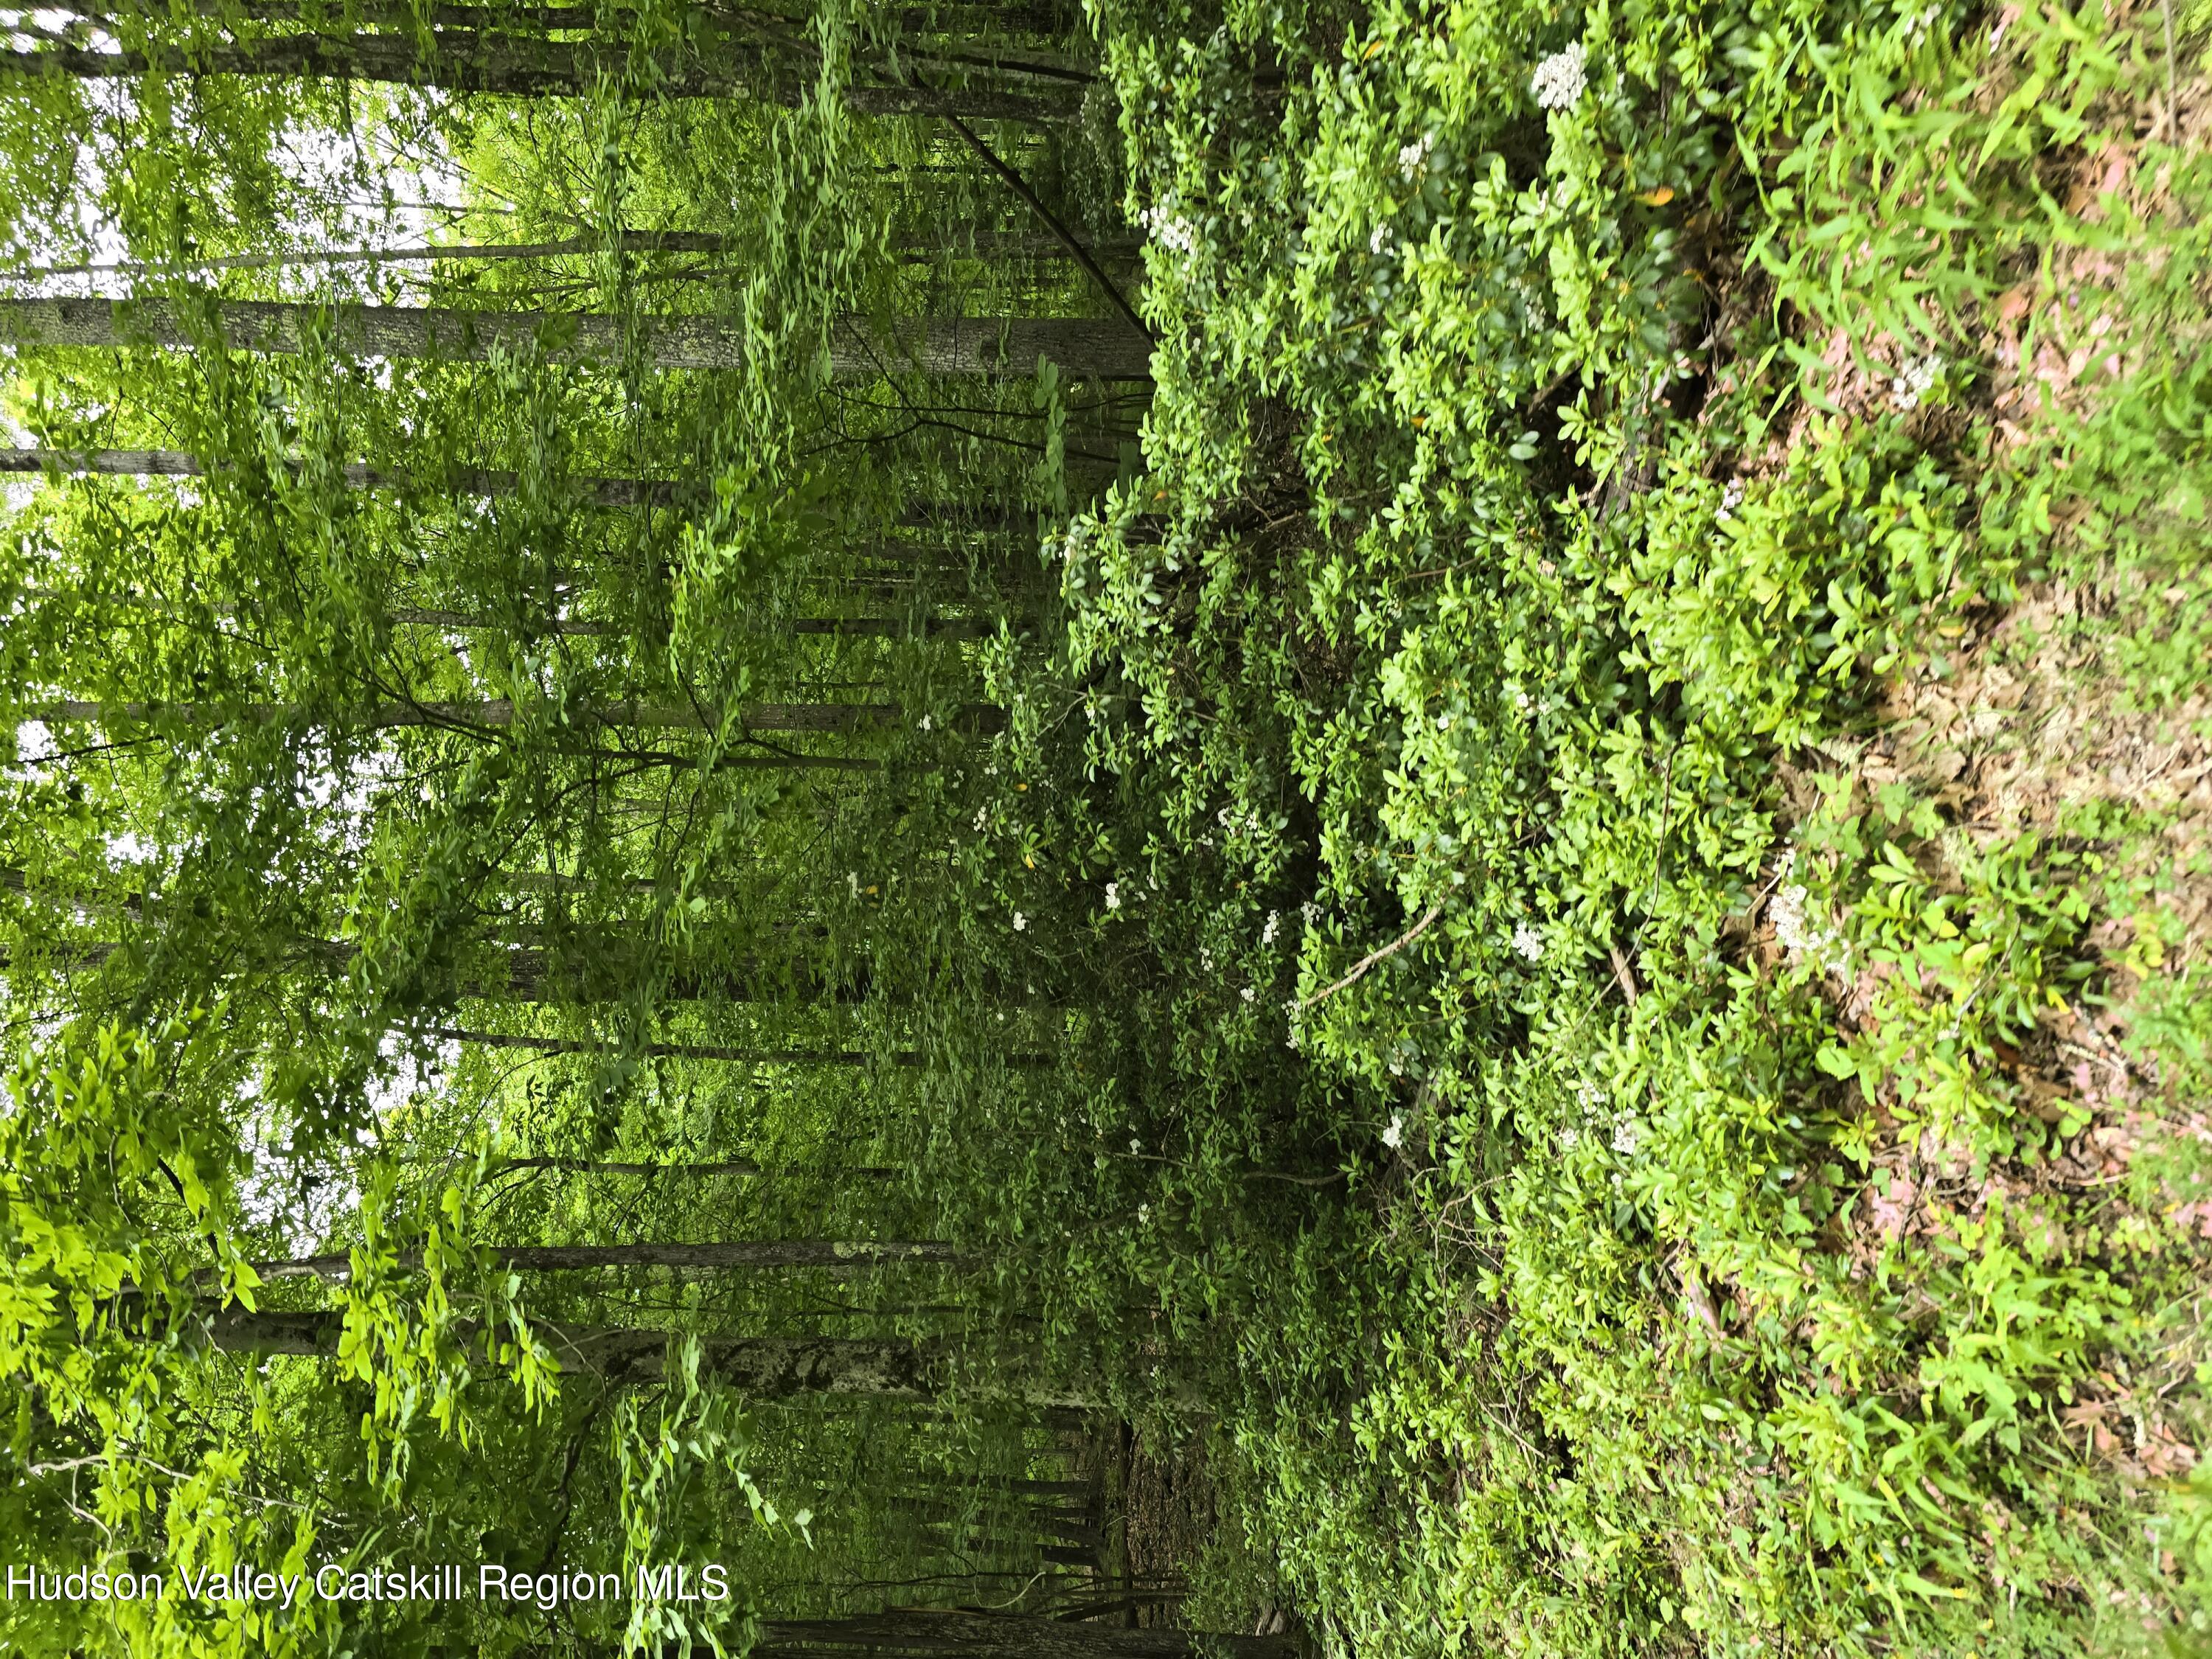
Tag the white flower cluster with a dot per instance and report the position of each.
(1805, 936)
(1559, 79)
(1380, 239)
(1274, 925)
(1731, 499)
(1170, 229)
(1394, 1136)
(1112, 896)
(1414, 156)
(1916, 381)
(1021, 922)
(1528, 940)
(1627, 1137)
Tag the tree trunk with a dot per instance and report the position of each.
(468, 481)
(631, 241)
(932, 1630)
(573, 1258)
(475, 60)
(765, 1368)
(592, 490)
(526, 975)
(499, 713)
(904, 1057)
(679, 1051)
(730, 1166)
(874, 628)
(929, 345)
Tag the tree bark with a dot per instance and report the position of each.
(480, 61)
(573, 1258)
(931, 345)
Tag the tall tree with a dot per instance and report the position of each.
(931, 345)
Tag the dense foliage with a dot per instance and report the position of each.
(1535, 927)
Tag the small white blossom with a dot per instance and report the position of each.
(1588, 1095)
(982, 817)
(1247, 993)
(1135, 1145)
(1731, 499)
(1170, 229)
(1916, 381)
(1806, 936)
(1414, 155)
(1274, 921)
(1144, 1213)
(1021, 922)
(1624, 1137)
(1560, 78)
(1528, 940)
(925, 723)
(1112, 896)
(1394, 1136)
(1570, 1138)
(1380, 239)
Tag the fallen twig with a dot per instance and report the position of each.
(1369, 961)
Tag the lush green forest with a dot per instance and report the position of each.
(990, 830)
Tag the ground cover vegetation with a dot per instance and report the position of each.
(1336, 829)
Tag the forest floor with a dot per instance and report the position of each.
(1710, 571)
